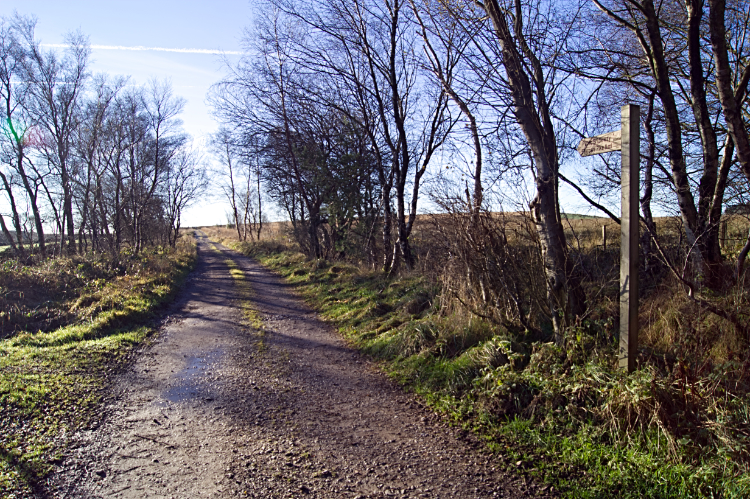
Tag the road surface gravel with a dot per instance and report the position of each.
(217, 408)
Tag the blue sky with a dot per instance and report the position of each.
(199, 25)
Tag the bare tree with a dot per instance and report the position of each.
(18, 126)
(55, 93)
(445, 61)
(676, 70)
(92, 150)
(363, 54)
(185, 182)
(98, 161)
(530, 86)
(225, 147)
(149, 162)
(732, 83)
(414, 128)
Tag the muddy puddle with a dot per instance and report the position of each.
(192, 381)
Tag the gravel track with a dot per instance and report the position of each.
(215, 408)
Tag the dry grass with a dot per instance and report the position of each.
(272, 231)
(58, 291)
(667, 315)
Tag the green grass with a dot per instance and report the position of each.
(245, 293)
(51, 382)
(563, 415)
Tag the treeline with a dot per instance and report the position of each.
(349, 106)
(92, 160)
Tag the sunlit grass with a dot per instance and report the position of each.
(250, 315)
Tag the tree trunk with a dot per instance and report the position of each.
(709, 235)
(8, 235)
(15, 217)
(18, 143)
(729, 102)
(68, 210)
(648, 187)
(684, 194)
(564, 297)
(260, 207)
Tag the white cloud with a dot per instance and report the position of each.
(154, 49)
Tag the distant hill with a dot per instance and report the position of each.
(4, 240)
(738, 209)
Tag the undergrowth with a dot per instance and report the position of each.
(564, 415)
(51, 379)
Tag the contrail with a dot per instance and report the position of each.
(156, 49)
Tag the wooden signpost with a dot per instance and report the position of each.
(608, 142)
(626, 140)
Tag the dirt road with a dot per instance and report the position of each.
(215, 408)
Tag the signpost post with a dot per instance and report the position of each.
(626, 140)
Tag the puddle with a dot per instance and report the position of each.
(189, 383)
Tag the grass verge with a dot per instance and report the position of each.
(564, 415)
(51, 382)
